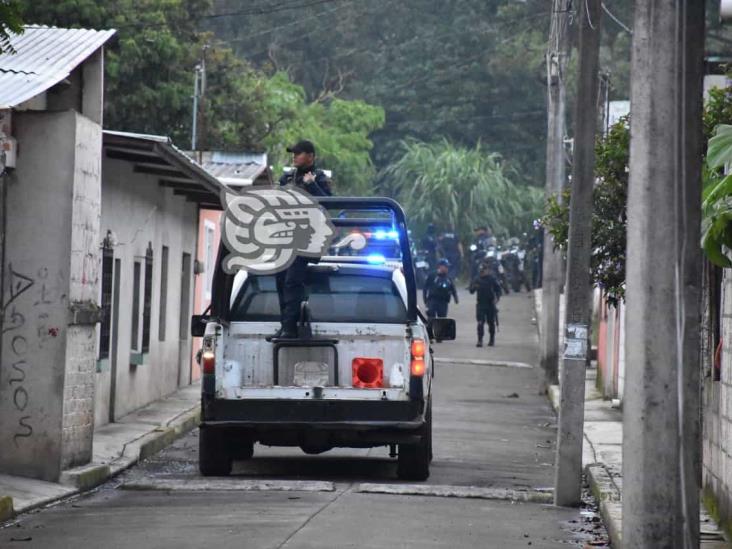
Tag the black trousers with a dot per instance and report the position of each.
(291, 292)
(486, 314)
(437, 308)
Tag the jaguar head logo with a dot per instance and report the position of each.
(265, 228)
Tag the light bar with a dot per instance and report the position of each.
(376, 259)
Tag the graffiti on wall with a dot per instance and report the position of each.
(25, 327)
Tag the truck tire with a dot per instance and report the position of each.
(214, 458)
(414, 459)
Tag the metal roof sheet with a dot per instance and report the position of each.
(209, 188)
(235, 174)
(44, 57)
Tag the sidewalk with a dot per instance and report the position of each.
(116, 447)
(602, 457)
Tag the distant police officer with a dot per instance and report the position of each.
(429, 244)
(482, 240)
(291, 282)
(489, 292)
(452, 250)
(438, 289)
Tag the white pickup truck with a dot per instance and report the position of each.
(360, 377)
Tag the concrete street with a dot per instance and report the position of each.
(492, 472)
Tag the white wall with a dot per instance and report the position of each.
(52, 228)
(138, 211)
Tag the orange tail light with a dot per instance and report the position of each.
(208, 361)
(417, 367)
(368, 373)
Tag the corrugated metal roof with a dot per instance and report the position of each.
(129, 145)
(235, 174)
(44, 57)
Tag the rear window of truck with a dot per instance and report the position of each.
(332, 296)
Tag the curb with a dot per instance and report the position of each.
(608, 498)
(86, 477)
(6, 508)
(603, 488)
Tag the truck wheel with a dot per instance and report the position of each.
(214, 458)
(414, 459)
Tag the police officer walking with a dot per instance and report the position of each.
(489, 292)
(291, 282)
(429, 244)
(438, 289)
(452, 250)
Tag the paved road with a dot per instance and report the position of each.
(493, 444)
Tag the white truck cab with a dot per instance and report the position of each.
(359, 374)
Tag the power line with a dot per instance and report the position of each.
(272, 9)
(616, 20)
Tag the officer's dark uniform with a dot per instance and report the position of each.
(291, 281)
(429, 245)
(489, 292)
(481, 243)
(436, 293)
(451, 250)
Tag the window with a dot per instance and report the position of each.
(332, 297)
(185, 296)
(105, 328)
(135, 335)
(163, 293)
(209, 250)
(147, 303)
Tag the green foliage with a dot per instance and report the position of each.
(717, 188)
(150, 73)
(469, 70)
(450, 185)
(609, 217)
(717, 199)
(10, 23)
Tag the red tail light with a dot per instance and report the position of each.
(368, 373)
(417, 366)
(208, 361)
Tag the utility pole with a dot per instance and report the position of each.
(199, 93)
(568, 479)
(194, 122)
(557, 56)
(661, 409)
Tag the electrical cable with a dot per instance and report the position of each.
(587, 13)
(617, 21)
(272, 9)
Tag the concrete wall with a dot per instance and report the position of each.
(611, 349)
(202, 299)
(52, 229)
(717, 421)
(139, 211)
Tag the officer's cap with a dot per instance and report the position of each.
(303, 146)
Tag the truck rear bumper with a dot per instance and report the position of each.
(378, 420)
(311, 411)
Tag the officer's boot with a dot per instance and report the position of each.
(481, 332)
(492, 334)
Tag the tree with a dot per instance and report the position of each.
(460, 187)
(150, 73)
(10, 23)
(439, 69)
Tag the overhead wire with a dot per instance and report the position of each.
(616, 20)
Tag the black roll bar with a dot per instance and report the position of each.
(223, 283)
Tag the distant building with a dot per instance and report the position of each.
(235, 171)
(151, 196)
